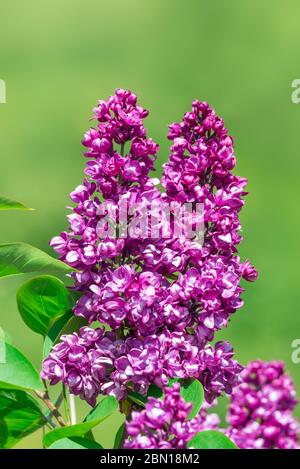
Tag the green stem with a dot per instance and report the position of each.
(66, 403)
(72, 405)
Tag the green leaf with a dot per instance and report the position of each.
(192, 391)
(21, 258)
(64, 325)
(139, 399)
(10, 204)
(20, 415)
(211, 439)
(119, 437)
(79, 429)
(41, 301)
(18, 372)
(97, 415)
(154, 391)
(104, 409)
(75, 443)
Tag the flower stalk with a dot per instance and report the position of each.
(44, 396)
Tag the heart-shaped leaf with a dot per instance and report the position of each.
(10, 204)
(20, 415)
(104, 409)
(192, 391)
(75, 442)
(41, 301)
(18, 372)
(211, 439)
(21, 258)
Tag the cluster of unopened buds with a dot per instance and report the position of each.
(158, 300)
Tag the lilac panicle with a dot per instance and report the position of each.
(260, 413)
(163, 298)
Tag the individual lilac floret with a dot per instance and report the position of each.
(260, 413)
(163, 424)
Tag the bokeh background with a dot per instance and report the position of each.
(57, 58)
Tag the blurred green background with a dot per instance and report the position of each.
(57, 58)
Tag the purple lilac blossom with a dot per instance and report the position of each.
(96, 361)
(260, 413)
(164, 423)
(162, 298)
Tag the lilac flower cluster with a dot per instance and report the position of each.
(164, 423)
(95, 361)
(199, 170)
(162, 298)
(260, 413)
